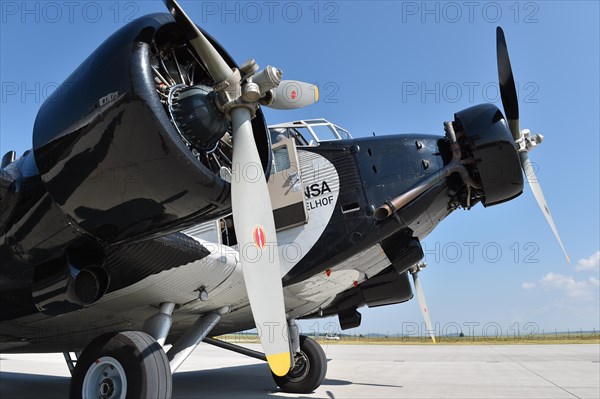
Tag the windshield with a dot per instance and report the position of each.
(308, 132)
(299, 134)
(324, 132)
(344, 134)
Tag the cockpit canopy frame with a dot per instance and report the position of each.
(309, 132)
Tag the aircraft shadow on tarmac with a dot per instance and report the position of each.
(247, 381)
(19, 385)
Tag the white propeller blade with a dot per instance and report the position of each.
(423, 305)
(255, 230)
(536, 188)
(252, 213)
(293, 94)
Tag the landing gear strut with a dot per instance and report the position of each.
(128, 364)
(308, 371)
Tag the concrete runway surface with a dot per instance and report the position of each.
(357, 371)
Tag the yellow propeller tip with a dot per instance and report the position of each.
(316, 93)
(280, 363)
(568, 259)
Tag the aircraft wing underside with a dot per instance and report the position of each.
(149, 274)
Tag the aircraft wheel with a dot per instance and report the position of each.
(309, 369)
(129, 364)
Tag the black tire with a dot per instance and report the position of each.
(145, 365)
(305, 378)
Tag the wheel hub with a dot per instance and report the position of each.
(107, 388)
(301, 367)
(105, 379)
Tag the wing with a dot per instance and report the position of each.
(143, 275)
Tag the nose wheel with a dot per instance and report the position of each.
(128, 364)
(308, 371)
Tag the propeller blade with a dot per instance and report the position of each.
(423, 305)
(510, 102)
(255, 230)
(536, 188)
(216, 65)
(293, 94)
(508, 91)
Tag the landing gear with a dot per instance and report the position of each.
(308, 372)
(128, 364)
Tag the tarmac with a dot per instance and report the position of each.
(357, 371)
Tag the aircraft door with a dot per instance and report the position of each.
(285, 186)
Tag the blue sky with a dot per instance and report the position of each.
(394, 67)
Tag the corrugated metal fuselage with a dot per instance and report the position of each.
(343, 182)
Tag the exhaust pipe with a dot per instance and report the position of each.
(455, 166)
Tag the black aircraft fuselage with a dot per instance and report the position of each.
(110, 174)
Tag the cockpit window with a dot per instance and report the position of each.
(281, 133)
(344, 134)
(308, 132)
(278, 134)
(324, 132)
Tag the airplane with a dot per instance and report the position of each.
(156, 210)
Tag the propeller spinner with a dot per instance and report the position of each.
(524, 143)
(238, 98)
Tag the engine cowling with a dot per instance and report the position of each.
(486, 140)
(112, 153)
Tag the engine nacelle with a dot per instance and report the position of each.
(485, 137)
(108, 148)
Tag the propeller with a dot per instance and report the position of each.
(255, 228)
(421, 298)
(525, 143)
